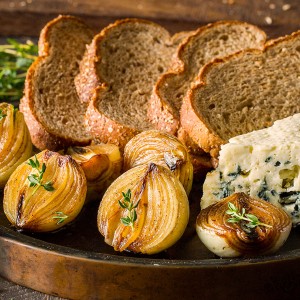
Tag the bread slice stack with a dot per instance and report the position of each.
(205, 44)
(51, 107)
(244, 92)
(117, 76)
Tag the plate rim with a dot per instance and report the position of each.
(77, 254)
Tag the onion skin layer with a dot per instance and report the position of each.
(163, 149)
(31, 209)
(230, 240)
(15, 142)
(162, 211)
(101, 163)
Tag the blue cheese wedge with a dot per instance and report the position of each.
(263, 164)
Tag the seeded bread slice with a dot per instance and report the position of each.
(244, 92)
(51, 107)
(214, 40)
(117, 76)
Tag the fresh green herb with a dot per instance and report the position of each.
(60, 217)
(15, 59)
(36, 179)
(128, 204)
(251, 221)
(2, 114)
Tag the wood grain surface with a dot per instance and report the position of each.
(27, 17)
(11, 291)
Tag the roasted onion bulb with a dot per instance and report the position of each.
(15, 142)
(101, 164)
(157, 147)
(160, 210)
(46, 202)
(234, 239)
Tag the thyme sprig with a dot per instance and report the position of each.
(2, 114)
(60, 217)
(15, 59)
(251, 221)
(36, 180)
(128, 205)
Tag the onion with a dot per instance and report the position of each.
(157, 147)
(227, 239)
(162, 210)
(15, 142)
(35, 208)
(101, 164)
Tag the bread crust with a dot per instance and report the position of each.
(161, 113)
(193, 121)
(192, 147)
(42, 136)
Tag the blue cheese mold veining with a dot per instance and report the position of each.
(264, 164)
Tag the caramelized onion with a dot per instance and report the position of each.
(34, 208)
(15, 142)
(162, 210)
(227, 239)
(157, 147)
(101, 164)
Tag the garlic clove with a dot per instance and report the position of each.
(234, 239)
(101, 164)
(45, 197)
(157, 147)
(161, 212)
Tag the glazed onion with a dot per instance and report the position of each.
(35, 208)
(227, 239)
(162, 210)
(15, 142)
(157, 147)
(101, 164)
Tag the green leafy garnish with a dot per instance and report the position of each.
(15, 59)
(250, 221)
(2, 114)
(36, 179)
(127, 204)
(60, 216)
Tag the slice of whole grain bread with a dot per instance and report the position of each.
(207, 43)
(51, 107)
(117, 76)
(246, 91)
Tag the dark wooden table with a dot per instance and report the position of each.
(26, 18)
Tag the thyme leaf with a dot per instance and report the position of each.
(2, 114)
(128, 205)
(36, 180)
(252, 221)
(60, 217)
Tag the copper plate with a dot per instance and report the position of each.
(75, 263)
